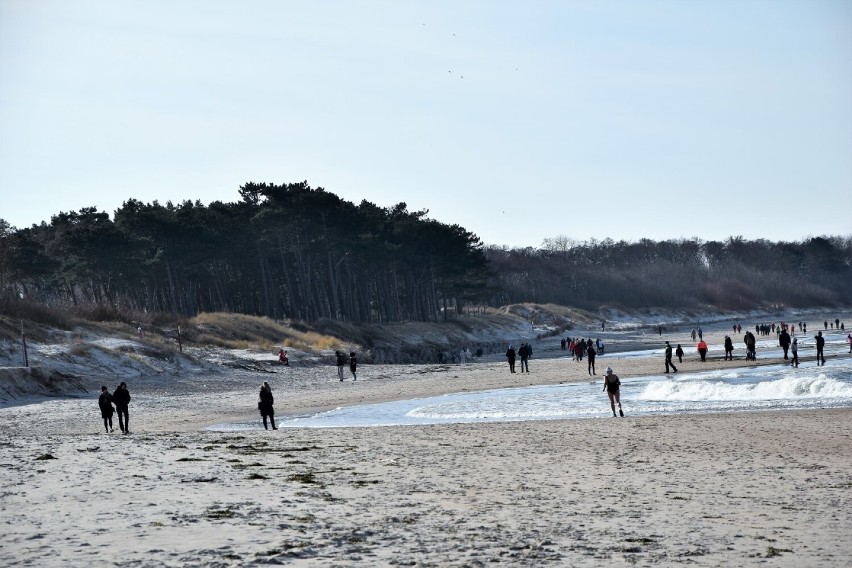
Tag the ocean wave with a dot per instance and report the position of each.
(791, 387)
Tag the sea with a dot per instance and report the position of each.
(754, 389)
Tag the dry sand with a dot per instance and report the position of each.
(740, 489)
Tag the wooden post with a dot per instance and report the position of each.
(180, 343)
(24, 344)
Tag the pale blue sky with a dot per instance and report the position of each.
(589, 119)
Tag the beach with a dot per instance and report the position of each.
(735, 488)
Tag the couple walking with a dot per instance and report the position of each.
(121, 399)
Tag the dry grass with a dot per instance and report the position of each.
(237, 331)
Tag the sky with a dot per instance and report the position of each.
(520, 121)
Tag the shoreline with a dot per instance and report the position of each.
(699, 488)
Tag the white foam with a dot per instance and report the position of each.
(779, 389)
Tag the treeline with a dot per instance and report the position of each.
(283, 251)
(295, 252)
(731, 274)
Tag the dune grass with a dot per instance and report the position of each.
(237, 331)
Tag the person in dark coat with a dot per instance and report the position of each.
(820, 345)
(669, 362)
(729, 349)
(265, 405)
(510, 355)
(353, 365)
(105, 404)
(524, 353)
(121, 398)
(341, 361)
(679, 353)
(590, 352)
(784, 342)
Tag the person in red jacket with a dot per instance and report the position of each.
(702, 350)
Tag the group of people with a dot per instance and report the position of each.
(121, 399)
(786, 340)
(524, 352)
(341, 363)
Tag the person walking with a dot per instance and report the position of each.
(612, 386)
(121, 398)
(748, 340)
(669, 362)
(341, 361)
(794, 349)
(353, 366)
(590, 353)
(700, 333)
(105, 404)
(820, 345)
(729, 349)
(784, 342)
(693, 335)
(849, 341)
(524, 353)
(679, 353)
(510, 355)
(265, 405)
(702, 350)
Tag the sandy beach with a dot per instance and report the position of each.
(734, 489)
